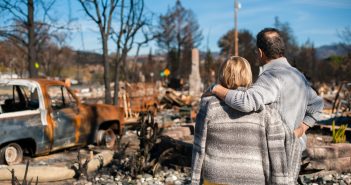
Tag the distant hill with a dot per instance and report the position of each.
(323, 52)
(215, 55)
(87, 57)
(326, 51)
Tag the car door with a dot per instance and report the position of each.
(64, 115)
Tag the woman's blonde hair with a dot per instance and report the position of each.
(235, 72)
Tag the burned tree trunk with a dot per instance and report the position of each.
(31, 39)
(103, 19)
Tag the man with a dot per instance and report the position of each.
(279, 83)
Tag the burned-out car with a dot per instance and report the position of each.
(39, 116)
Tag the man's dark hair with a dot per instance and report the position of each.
(271, 43)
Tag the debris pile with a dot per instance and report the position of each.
(337, 99)
(173, 98)
(145, 157)
(325, 177)
(138, 97)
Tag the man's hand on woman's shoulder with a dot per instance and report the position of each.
(208, 91)
(300, 131)
(220, 91)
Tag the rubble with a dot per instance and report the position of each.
(170, 156)
(325, 177)
(322, 154)
(158, 149)
(337, 99)
(48, 173)
(138, 97)
(173, 98)
(327, 162)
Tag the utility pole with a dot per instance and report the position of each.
(80, 53)
(236, 43)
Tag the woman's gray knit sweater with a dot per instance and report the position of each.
(232, 147)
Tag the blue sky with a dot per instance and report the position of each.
(316, 20)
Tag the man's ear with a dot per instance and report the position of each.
(260, 53)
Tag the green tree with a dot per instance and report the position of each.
(291, 46)
(208, 68)
(151, 68)
(178, 32)
(345, 37)
(247, 47)
(306, 61)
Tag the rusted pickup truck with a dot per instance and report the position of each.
(39, 116)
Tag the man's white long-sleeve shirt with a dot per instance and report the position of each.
(284, 85)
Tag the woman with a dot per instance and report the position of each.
(232, 147)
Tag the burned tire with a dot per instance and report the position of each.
(11, 154)
(106, 138)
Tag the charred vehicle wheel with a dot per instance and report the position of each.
(11, 154)
(106, 138)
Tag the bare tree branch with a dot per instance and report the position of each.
(103, 18)
(16, 11)
(12, 36)
(84, 5)
(132, 19)
(26, 30)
